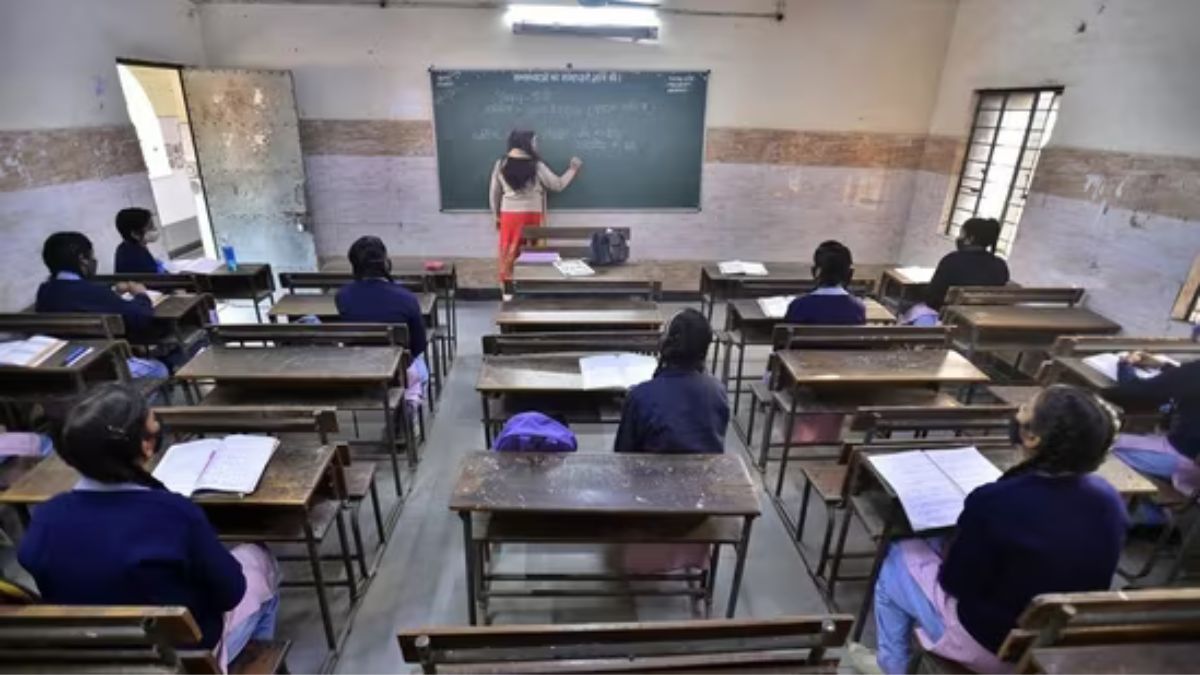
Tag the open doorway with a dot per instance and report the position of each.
(155, 99)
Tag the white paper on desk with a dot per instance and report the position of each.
(183, 463)
(155, 297)
(775, 307)
(30, 352)
(735, 267)
(1107, 365)
(933, 484)
(616, 371)
(573, 268)
(194, 265)
(238, 465)
(917, 275)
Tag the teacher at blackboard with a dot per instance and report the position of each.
(518, 194)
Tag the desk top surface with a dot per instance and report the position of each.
(324, 305)
(401, 266)
(607, 483)
(55, 365)
(858, 367)
(175, 307)
(1065, 320)
(516, 373)
(532, 311)
(749, 311)
(1139, 657)
(290, 480)
(335, 365)
(782, 271)
(630, 271)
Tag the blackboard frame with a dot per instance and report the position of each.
(706, 73)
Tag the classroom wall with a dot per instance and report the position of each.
(817, 124)
(1116, 196)
(69, 158)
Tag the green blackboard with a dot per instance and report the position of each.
(640, 134)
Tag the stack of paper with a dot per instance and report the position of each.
(538, 257)
(1106, 365)
(194, 266)
(933, 484)
(155, 296)
(616, 371)
(231, 464)
(573, 268)
(735, 267)
(29, 352)
(917, 275)
(775, 307)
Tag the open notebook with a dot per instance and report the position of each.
(775, 307)
(750, 269)
(933, 484)
(1106, 364)
(231, 464)
(917, 275)
(155, 296)
(195, 265)
(573, 268)
(29, 352)
(616, 371)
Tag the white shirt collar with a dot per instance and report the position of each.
(68, 276)
(89, 485)
(829, 290)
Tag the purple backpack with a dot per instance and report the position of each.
(535, 432)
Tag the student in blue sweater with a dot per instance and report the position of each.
(120, 538)
(830, 304)
(1048, 525)
(374, 297)
(71, 260)
(133, 255)
(682, 409)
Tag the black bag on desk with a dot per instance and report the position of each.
(609, 248)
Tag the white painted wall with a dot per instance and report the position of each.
(58, 57)
(845, 65)
(1130, 75)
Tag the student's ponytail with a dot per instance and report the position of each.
(369, 259)
(685, 342)
(103, 435)
(1075, 430)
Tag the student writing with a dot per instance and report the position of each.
(682, 409)
(374, 297)
(71, 260)
(517, 193)
(830, 304)
(133, 256)
(1047, 526)
(120, 538)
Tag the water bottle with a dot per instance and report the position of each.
(228, 254)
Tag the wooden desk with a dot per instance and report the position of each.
(897, 286)
(444, 282)
(1127, 482)
(859, 368)
(251, 281)
(746, 324)
(324, 307)
(184, 317)
(588, 314)
(297, 369)
(289, 492)
(1135, 657)
(53, 379)
(1021, 327)
(715, 286)
(553, 492)
(630, 271)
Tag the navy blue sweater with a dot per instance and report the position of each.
(972, 267)
(827, 307)
(132, 547)
(134, 258)
(1027, 535)
(1180, 386)
(78, 295)
(678, 411)
(381, 301)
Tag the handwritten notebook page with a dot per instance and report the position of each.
(775, 307)
(29, 352)
(183, 463)
(238, 465)
(574, 268)
(932, 485)
(616, 371)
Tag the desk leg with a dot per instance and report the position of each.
(487, 421)
(257, 310)
(885, 541)
(344, 542)
(739, 568)
(314, 559)
(741, 367)
(711, 579)
(469, 558)
(389, 438)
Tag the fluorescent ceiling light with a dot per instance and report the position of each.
(567, 15)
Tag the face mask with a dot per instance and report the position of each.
(960, 243)
(1014, 432)
(151, 236)
(88, 268)
(158, 440)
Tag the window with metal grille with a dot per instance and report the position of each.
(1010, 128)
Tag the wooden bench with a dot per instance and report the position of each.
(567, 242)
(1087, 345)
(329, 281)
(362, 334)
(64, 325)
(1133, 619)
(128, 639)
(163, 283)
(761, 288)
(1013, 295)
(639, 342)
(593, 288)
(797, 644)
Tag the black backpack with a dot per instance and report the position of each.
(609, 248)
